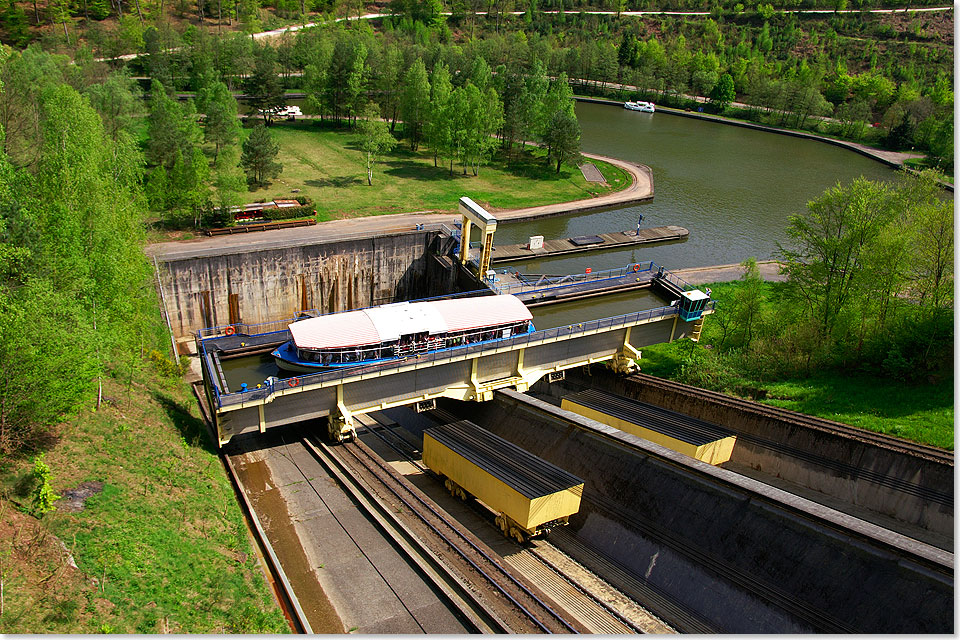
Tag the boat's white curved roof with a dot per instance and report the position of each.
(390, 321)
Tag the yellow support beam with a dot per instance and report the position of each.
(473, 214)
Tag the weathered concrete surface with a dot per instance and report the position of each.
(798, 452)
(236, 285)
(747, 557)
(346, 573)
(769, 270)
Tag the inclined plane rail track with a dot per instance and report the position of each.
(685, 619)
(408, 450)
(524, 611)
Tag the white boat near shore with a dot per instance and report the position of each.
(646, 107)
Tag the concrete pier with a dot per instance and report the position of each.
(615, 240)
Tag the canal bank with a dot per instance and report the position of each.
(640, 190)
(894, 159)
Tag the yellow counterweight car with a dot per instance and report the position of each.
(529, 495)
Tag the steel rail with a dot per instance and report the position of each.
(661, 603)
(573, 583)
(821, 424)
(482, 618)
(639, 412)
(354, 447)
(559, 572)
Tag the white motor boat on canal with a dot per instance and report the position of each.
(646, 107)
(400, 330)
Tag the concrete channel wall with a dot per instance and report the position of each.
(745, 557)
(263, 284)
(914, 489)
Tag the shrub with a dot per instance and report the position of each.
(43, 495)
(166, 366)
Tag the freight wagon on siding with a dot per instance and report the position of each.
(530, 495)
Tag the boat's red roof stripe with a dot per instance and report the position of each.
(347, 329)
(462, 314)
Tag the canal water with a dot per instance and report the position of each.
(733, 188)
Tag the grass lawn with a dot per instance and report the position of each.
(920, 411)
(163, 547)
(326, 165)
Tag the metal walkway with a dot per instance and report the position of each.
(538, 290)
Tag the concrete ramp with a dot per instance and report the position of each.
(738, 556)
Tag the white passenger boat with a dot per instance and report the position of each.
(646, 107)
(400, 330)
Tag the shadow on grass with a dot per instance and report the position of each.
(411, 170)
(191, 428)
(338, 182)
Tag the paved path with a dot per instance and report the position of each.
(769, 270)
(639, 190)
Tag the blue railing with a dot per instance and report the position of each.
(573, 279)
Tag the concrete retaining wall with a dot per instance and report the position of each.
(745, 562)
(274, 283)
(826, 471)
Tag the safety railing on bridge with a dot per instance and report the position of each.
(552, 282)
(568, 280)
(444, 355)
(675, 279)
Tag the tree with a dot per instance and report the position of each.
(437, 130)
(43, 494)
(480, 116)
(415, 102)
(221, 126)
(562, 139)
(229, 183)
(355, 81)
(263, 87)
(81, 290)
(723, 92)
(117, 100)
(189, 185)
(930, 226)
(829, 245)
(375, 138)
(559, 98)
(391, 65)
(259, 156)
(172, 128)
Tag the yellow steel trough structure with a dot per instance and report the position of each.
(698, 439)
(464, 373)
(529, 494)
